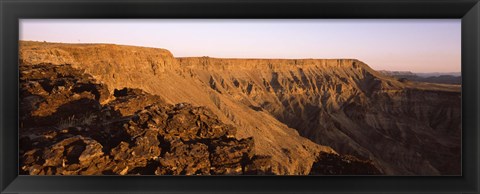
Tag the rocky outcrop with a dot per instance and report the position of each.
(44, 89)
(112, 138)
(334, 164)
(128, 101)
(142, 64)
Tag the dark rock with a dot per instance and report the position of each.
(128, 101)
(72, 126)
(231, 151)
(128, 158)
(259, 165)
(186, 159)
(68, 156)
(53, 93)
(228, 169)
(334, 164)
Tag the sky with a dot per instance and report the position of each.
(389, 44)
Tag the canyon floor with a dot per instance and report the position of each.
(103, 109)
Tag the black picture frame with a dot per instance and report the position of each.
(13, 10)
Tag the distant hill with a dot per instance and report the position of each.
(442, 78)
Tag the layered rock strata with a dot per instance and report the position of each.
(72, 125)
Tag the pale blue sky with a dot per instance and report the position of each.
(403, 45)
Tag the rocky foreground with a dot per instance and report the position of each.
(72, 125)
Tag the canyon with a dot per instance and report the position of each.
(290, 116)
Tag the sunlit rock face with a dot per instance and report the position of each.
(405, 127)
(286, 112)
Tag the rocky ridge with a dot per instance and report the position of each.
(131, 132)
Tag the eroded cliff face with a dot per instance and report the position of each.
(402, 127)
(405, 127)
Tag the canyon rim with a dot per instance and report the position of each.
(105, 109)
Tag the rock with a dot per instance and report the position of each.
(128, 101)
(125, 135)
(51, 93)
(334, 164)
(259, 165)
(188, 123)
(231, 151)
(186, 159)
(229, 156)
(68, 157)
(228, 169)
(146, 148)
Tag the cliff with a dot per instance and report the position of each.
(405, 127)
(293, 109)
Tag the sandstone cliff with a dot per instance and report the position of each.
(402, 127)
(405, 127)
